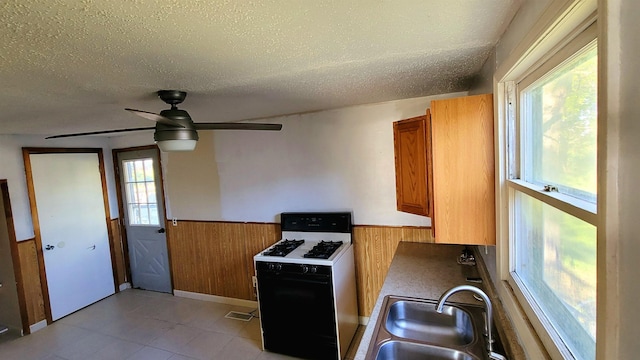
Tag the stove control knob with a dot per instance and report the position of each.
(271, 267)
(313, 269)
(278, 267)
(305, 269)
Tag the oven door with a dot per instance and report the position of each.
(297, 310)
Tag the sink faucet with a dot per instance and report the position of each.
(485, 299)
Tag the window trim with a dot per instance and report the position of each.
(560, 24)
(578, 208)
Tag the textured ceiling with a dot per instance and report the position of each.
(72, 66)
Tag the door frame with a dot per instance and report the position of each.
(121, 209)
(15, 255)
(26, 152)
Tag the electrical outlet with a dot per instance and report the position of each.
(174, 222)
(255, 281)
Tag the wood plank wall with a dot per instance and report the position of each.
(216, 258)
(116, 240)
(374, 247)
(31, 277)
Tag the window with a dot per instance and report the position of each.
(552, 195)
(140, 188)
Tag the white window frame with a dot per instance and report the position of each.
(562, 23)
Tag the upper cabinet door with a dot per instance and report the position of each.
(463, 170)
(409, 138)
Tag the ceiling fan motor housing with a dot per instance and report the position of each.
(169, 132)
(172, 97)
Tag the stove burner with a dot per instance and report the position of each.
(323, 250)
(283, 248)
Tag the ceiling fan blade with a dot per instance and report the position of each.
(237, 126)
(99, 132)
(155, 117)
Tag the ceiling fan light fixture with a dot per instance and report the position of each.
(170, 138)
(177, 145)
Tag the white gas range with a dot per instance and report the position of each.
(312, 248)
(306, 287)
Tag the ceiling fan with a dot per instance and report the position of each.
(174, 130)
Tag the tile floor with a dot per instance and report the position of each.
(144, 325)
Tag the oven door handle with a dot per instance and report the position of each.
(314, 279)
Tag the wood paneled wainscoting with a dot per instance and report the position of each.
(119, 252)
(374, 247)
(216, 258)
(30, 272)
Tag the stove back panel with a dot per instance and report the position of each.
(329, 222)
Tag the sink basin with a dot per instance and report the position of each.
(419, 321)
(411, 328)
(410, 351)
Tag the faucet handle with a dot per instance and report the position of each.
(496, 356)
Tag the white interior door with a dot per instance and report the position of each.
(73, 230)
(144, 220)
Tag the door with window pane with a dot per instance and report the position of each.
(144, 219)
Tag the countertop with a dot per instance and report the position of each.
(424, 271)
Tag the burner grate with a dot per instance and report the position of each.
(323, 250)
(283, 248)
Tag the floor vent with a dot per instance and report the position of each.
(239, 316)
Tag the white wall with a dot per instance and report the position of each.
(192, 183)
(524, 20)
(12, 169)
(326, 161)
(331, 160)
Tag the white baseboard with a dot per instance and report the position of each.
(364, 320)
(215, 298)
(125, 286)
(38, 326)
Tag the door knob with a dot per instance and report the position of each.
(49, 247)
(161, 230)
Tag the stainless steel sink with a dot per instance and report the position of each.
(409, 351)
(419, 321)
(410, 328)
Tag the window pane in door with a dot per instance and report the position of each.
(129, 172)
(148, 170)
(556, 261)
(559, 114)
(140, 188)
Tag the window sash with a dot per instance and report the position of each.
(548, 166)
(140, 191)
(513, 182)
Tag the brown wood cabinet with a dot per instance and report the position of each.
(445, 169)
(462, 158)
(409, 139)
